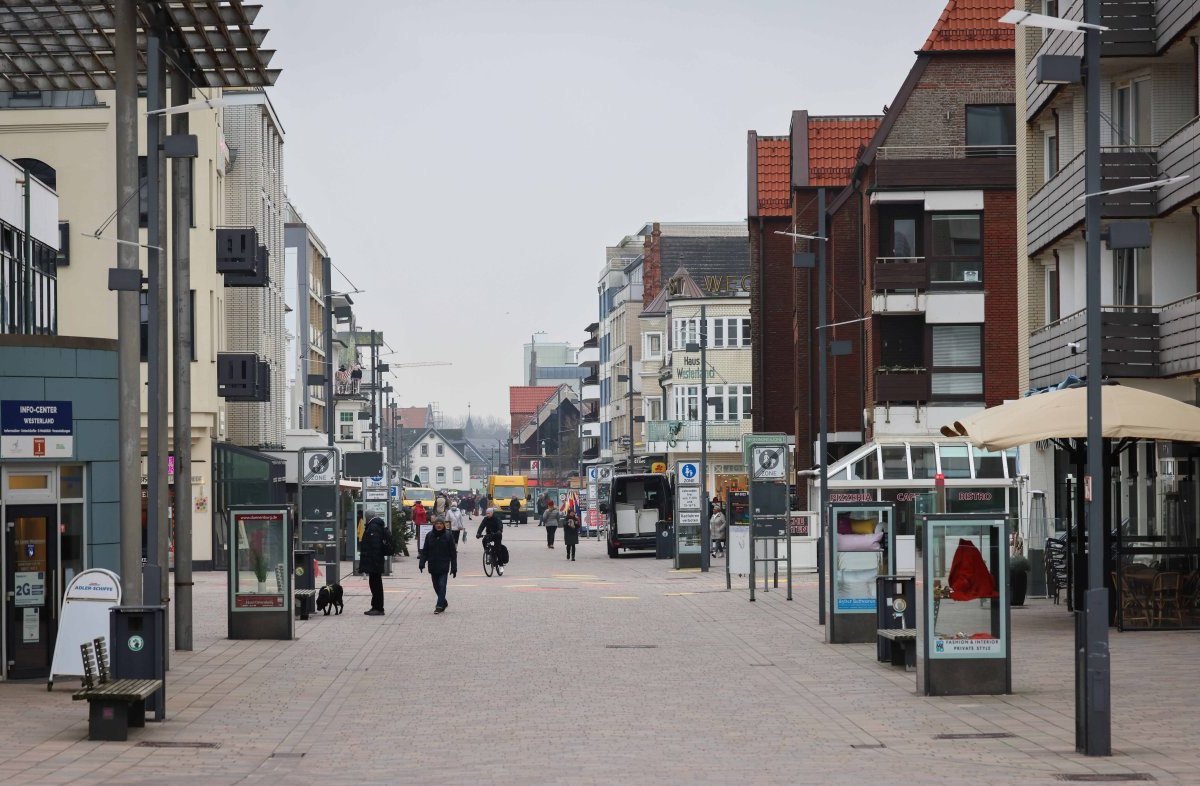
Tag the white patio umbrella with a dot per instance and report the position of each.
(1062, 414)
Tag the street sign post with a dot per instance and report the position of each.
(770, 471)
(318, 503)
(689, 513)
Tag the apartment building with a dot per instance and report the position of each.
(588, 360)
(307, 279)
(254, 197)
(620, 290)
(1149, 131)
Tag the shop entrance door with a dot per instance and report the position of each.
(30, 579)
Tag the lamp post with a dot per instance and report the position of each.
(705, 530)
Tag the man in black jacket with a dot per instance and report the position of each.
(370, 561)
(491, 529)
(440, 553)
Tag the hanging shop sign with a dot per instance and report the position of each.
(36, 429)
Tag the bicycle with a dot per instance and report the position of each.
(491, 560)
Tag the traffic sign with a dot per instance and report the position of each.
(593, 474)
(319, 466)
(689, 472)
(769, 462)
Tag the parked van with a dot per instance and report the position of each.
(638, 504)
(502, 488)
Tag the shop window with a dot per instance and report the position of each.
(988, 465)
(1010, 458)
(36, 482)
(924, 464)
(867, 467)
(956, 463)
(895, 462)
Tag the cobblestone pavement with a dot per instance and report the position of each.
(602, 671)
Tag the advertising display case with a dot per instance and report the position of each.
(861, 547)
(963, 646)
(260, 573)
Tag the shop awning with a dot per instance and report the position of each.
(1062, 414)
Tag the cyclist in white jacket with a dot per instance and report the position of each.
(458, 527)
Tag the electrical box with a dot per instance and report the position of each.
(243, 376)
(237, 250)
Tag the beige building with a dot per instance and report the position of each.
(72, 133)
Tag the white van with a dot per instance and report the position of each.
(638, 504)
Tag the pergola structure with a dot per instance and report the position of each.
(64, 45)
(127, 46)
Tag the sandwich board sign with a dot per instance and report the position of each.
(84, 617)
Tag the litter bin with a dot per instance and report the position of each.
(889, 614)
(664, 545)
(137, 638)
(302, 563)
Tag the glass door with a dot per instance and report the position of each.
(30, 576)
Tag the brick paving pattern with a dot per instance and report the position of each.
(601, 671)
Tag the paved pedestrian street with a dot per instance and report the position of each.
(601, 671)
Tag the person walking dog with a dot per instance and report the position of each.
(441, 555)
(376, 544)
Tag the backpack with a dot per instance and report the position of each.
(503, 553)
(386, 544)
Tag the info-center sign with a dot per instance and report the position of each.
(36, 429)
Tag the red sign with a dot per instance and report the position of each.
(258, 601)
(39, 446)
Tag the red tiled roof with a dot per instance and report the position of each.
(774, 176)
(413, 417)
(972, 26)
(526, 400)
(833, 145)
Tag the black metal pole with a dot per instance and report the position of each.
(374, 388)
(330, 361)
(705, 531)
(823, 409)
(156, 460)
(1093, 735)
(182, 348)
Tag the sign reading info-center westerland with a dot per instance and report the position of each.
(36, 429)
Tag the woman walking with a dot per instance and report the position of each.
(550, 520)
(716, 530)
(570, 534)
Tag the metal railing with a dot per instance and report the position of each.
(689, 430)
(926, 152)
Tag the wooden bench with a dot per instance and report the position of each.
(306, 599)
(113, 705)
(904, 646)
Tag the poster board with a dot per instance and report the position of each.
(84, 617)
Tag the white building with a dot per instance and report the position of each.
(438, 463)
(306, 285)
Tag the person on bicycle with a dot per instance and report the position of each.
(493, 529)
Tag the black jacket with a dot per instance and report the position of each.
(370, 548)
(490, 526)
(439, 553)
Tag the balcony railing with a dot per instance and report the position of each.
(1057, 208)
(936, 152)
(675, 431)
(900, 273)
(1131, 343)
(900, 166)
(895, 386)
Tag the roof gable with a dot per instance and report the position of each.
(442, 437)
(525, 400)
(773, 163)
(834, 144)
(972, 26)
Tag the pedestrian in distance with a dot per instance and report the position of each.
(716, 530)
(571, 535)
(356, 374)
(419, 514)
(541, 504)
(376, 545)
(441, 504)
(551, 520)
(458, 524)
(514, 510)
(441, 555)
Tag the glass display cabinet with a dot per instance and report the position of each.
(859, 548)
(260, 573)
(963, 646)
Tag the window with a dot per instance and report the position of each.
(988, 465)
(1132, 283)
(895, 462)
(1052, 300)
(144, 327)
(441, 476)
(991, 130)
(729, 402)
(687, 402)
(652, 406)
(902, 342)
(684, 332)
(955, 248)
(956, 463)
(441, 449)
(1051, 155)
(1132, 113)
(745, 332)
(903, 232)
(924, 465)
(957, 361)
(652, 346)
(424, 451)
(423, 473)
(346, 417)
(728, 332)
(457, 474)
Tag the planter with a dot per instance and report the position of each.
(262, 588)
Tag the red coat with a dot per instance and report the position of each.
(969, 577)
(419, 514)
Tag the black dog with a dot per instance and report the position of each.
(329, 598)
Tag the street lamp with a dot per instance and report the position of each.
(702, 347)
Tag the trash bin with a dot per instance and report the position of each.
(302, 564)
(664, 544)
(137, 649)
(889, 614)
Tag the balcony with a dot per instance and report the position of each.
(1177, 156)
(590, 391)
(901, 273)
(901, 385)
(960, 166)
(587, 356)
(589, 430)
(1057, 209)
(684, 435)
(1131, 348)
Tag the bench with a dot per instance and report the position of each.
(113, 705)
(306, 599)
(904, 646)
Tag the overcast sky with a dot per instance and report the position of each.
(467, 162)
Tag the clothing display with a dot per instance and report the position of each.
(969, 577)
